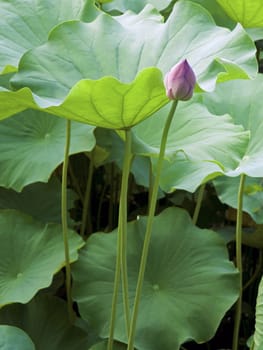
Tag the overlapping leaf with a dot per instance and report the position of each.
(227, 189)
(243, 101)
(149, 42)
(78, 52)
(217, 12)
(187, 271)
(42, 201)
(200, 145)
(247, 12)
(31, 253)
(26, 24)
(135, 5)
(45, 320)
(32, 145)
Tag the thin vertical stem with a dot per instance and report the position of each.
(150, 184)
(121, 258)
(198, 203)
(123, 224)
(86, 204)
(149, 227)
(239, 260)
(64, 214)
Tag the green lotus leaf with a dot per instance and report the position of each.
(32, 145)
(26, 24)
(243, 101)
(42, 201)
(150, 42)
(188, 269)
(31, 253)
(248, 13)
(13, 102)
(135, 5)
(227, 189)
(105, 102)
(14, 338)
(217, 12)
(200, 145)
(78, 56)
(45, 320)
(108, 103)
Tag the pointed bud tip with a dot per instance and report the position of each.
(180, 81)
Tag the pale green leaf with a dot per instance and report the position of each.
(200, 145)
(243, 101)
(135, 5)
(78, 63)
(26, 24)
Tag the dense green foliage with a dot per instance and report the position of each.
(122, 213)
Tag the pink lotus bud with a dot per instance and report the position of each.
(180, 81)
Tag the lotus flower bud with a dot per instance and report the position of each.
(180, 81)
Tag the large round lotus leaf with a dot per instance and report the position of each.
(14, 338)
(111, 104)
(243, 101)
(45, 320)
(227, 189)
(200, 145)
(40, 200)
(32, 145)
(247, 12)
(105, 102)
(26, 24)
(78, 52)
(31, 253)
(188, 271)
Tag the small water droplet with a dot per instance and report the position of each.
(19, 275)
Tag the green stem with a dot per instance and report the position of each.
(149, 227)
(198, 203)
(150, 184)
(64, 213)
(121, 259)
(85, 213)
(239, 261)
